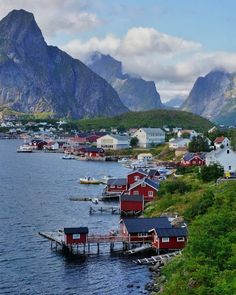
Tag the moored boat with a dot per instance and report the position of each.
(68, 157)
(25, 149)
(89, 180)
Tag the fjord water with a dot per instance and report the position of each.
(34, 196)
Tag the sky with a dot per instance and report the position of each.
(171, 42)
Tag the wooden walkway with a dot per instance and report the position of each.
(160, 259)
(138, 249)
(104, 209)
(57, 237)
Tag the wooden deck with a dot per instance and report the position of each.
(160, 259)
(104, 209)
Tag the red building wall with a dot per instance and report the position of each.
(143, 191)
(172, 244)
(196, 161)
(131, 206)
(69, 239)
(131, 177)
(116, 189)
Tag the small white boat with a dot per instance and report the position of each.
(95, 201)
(105, 179)
(25, 149)
(68, 157)
(123, 160)
(89, 180)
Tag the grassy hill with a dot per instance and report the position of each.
(154, 118)
(208, 263)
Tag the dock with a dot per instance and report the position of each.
(138, 249)
(104, 209)
(159, 259)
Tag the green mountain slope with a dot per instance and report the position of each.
(154, 118)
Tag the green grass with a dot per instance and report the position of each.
(208, 263)
(155, 118)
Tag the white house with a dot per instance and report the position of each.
(190, 133)
(145, 157)
(221, 141)
(180, 142)
(224, 157)
(113, 142)
(149, 136)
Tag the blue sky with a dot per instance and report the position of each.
(171, 42)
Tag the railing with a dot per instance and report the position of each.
(107, 239)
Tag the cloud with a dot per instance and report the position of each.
(55, 16)
(172, 62)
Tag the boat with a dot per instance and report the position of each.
(68, 157)
(95, 201)
(123, 160)
(105, 179)
(89, 180)
(25, 149)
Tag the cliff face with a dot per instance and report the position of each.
(214, 97)
(35, 77)
(135, 93)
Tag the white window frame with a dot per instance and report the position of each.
(136, 177)
(165, 240)
(119, 186)
(143, 184)
(142, 235)
(150, 193)
(76, 236)
(180, 239)
(136, 193)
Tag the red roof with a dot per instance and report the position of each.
(219, 139)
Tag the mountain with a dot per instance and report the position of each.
(175, 102)
(214, 97)
(135, 93)
(35, 77)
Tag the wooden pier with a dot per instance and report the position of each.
(159, 259)
(104, 209)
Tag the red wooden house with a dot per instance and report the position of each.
(75, 235)
(169, 238)
(116, 186)
(144, 187)
(135, 175)
(131, 205)
(138, 229)
(193, 159)
(94, 152)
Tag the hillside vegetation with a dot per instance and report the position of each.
(208, 263)
(154, 118)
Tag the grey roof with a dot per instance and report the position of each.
(143, 225)
(148, 181)
(172, 232)
(151, 130)
(189, 156)
(135, 198)
(153, 172)
(75, 230)
(138, 170)
(120, 137)
(117, 181)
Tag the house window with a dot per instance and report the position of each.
(180, 239)
(143, 235)
(150, 193)
(143, 184)
(76, 236)
(229, 167)
(165, 240)
(227, 151)
(194, 162)
(136, 193)
(112, 186)
(119, 186)
(136, 178)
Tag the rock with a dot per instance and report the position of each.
(149, 286)
(130, 286)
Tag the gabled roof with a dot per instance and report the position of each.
(139, 171)
(75, 230)
(219, 140)
(172, 232)
(134, 198)
(153, 172)
(117, 181)
(190, 156)
(148, 181)
(143, 225)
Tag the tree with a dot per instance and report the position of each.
(134, 141)
(211, 173)
(198, 144)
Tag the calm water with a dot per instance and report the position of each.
(34, 191)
